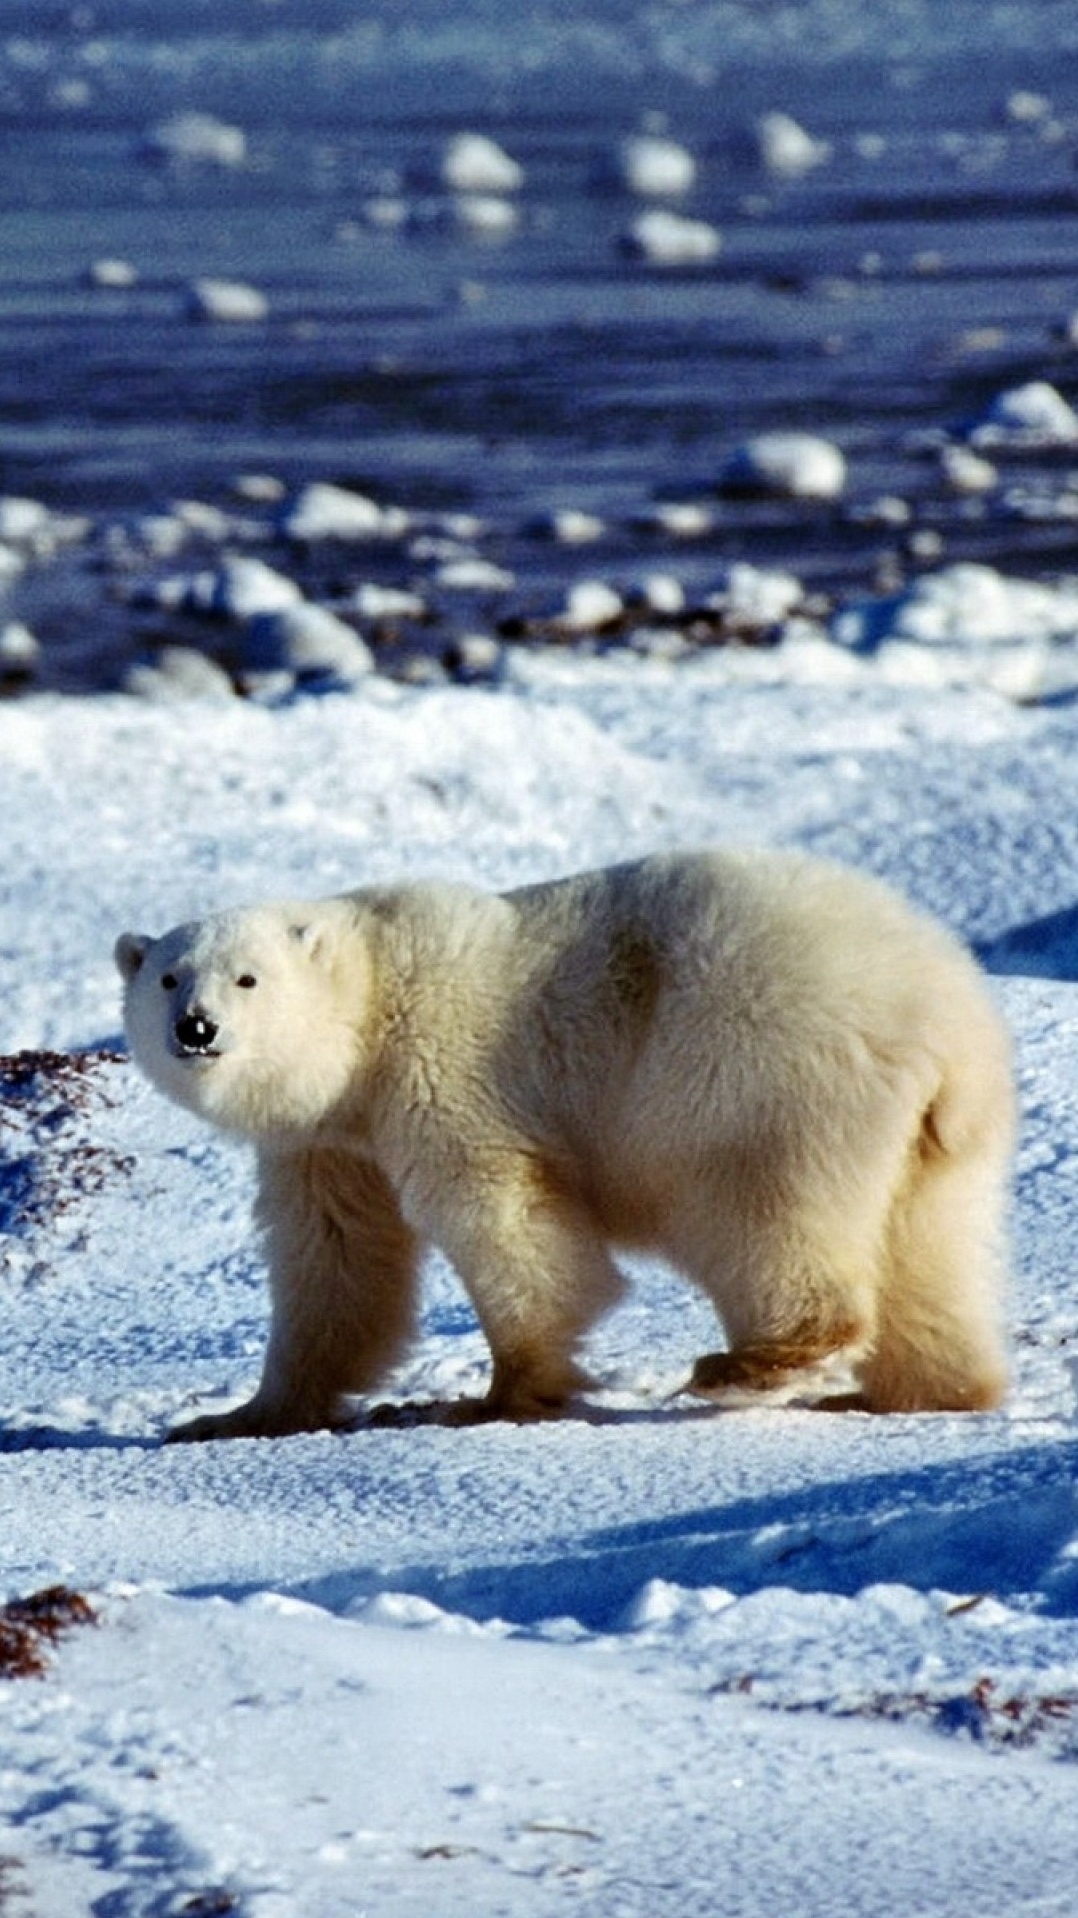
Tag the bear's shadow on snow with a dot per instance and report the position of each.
(1002, 1526)
(57, 1438)
(1045, 948)
(408, 1414)
(917, 1529)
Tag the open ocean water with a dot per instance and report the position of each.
(512, 357)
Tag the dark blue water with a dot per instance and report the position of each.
(929, 263)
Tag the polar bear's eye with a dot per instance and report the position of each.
(247, 980)
(169, 981)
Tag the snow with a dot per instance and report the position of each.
(646, 1660)
(968, 622)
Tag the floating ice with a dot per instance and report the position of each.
(156, 535)
(22, 521)
(178, 672)
(590, 605)
(679, 519)
(1035, 414)
(472, 163)
(207, 521)
(966, 471)
(968, 625)
(786, 148)
(471, 574)
(655, 167)
(387, 212)
(20, 650)
(227, 300)
(244, 587)
(756, 596)
(1039, 503)
(305, 640)
(568, 526)
(474, 657)
(670, 239)
(660, 593)
(1027, 109)
(259, 489)
(372, 601)
(794, 465)
(887, 509)
(196, 137)
(485, 213)
(965, 605)
(324, 511)
(112, 274)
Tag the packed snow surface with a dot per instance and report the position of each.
(648, 1659)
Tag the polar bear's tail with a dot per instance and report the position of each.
(939, 1345)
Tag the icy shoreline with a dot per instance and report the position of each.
(197, 602)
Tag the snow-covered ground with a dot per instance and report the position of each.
(651, 1660)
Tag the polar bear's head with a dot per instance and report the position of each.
(249, 1018)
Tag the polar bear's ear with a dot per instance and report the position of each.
(310, 939)
(129, 952)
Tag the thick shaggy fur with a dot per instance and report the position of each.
(766, 1069)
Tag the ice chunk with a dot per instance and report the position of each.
(228, 300)
(670, 239)
(656, 167)
(786, 148)
(199, 137)
(473, 163)
(797, 465)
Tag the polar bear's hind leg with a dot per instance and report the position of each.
(938, 1345)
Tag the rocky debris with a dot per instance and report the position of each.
(30, 1626)
(52, 1155)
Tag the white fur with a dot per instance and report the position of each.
(766, 1069)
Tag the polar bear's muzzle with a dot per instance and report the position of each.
(194, 1033)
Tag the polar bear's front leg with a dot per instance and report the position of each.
(343, 1286)
(535, 1264)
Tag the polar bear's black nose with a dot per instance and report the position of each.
(195, 1032)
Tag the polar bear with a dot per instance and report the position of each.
(766, 1069)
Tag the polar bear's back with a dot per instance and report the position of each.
(741, 940)
(728, 992)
